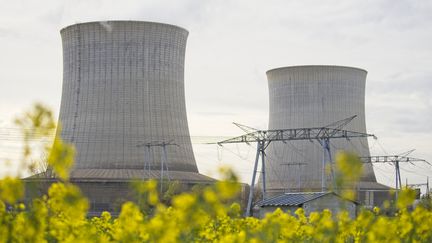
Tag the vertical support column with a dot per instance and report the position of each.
(262, 148)
(161, 170)
(299, 178)
(323, 179)
(397, 177)
(149, 161)
(330, 160)
(251, 190)
(325, 144)
(165, 159)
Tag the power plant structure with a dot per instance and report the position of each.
(317, 96)
(123, 107)
(123, 87)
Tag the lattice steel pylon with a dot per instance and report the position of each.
(395, 159)
(264, 137)
(164, 160)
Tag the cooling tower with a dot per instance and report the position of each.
(123, 87)
(313, 96)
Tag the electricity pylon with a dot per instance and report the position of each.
(164, 160)
(395, 159)
(263, 138)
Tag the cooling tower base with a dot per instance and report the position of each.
(108, 189)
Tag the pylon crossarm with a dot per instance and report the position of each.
(390, 159)
(294, 134)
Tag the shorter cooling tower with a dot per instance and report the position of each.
(314, 96)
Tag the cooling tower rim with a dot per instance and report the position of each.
(123, 21)
(314, 66)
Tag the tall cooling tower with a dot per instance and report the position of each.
(123, 87)
(313, 96)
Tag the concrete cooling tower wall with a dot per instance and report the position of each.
(313, 96)
(123, 86)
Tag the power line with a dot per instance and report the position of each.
(263, 138)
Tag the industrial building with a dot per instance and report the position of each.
(308, 201)
(310, 97)
(123, 108)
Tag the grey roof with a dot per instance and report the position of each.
(371, 185)
(292, 199)
(128, 174)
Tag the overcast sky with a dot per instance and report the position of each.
(231, 45)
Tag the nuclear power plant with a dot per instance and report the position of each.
(123, 108)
